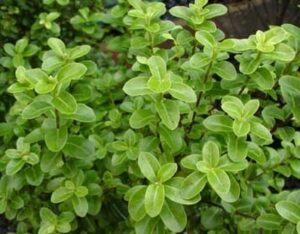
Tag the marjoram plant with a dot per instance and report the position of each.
(114, 120)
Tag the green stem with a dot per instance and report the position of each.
(57, 118)
(201, 94)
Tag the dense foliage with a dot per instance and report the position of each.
(116, 121)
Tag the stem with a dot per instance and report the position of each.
(57, 118)
(243, 88)
(200, 95)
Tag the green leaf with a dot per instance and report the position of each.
(57, 46)
(63, 227)
(30, 50)
(81, 191)
(212, 218)
(190, 161)
(50, 161)
(166, 172)
(51, 61)
(219, 180)
(34, 176)
(18, 88)
(44, 87)
(225, 70)
(9, 49)
(250, 108)
(14, 166)
(234, 191)
(269, 221)
(18, 60)
(13, 154)
(256, 153)
(35, 109)
(80, 205)
(154, 199)
(65, 103)
(147, 225)
(32, 75)
(71, 71)
(240, 128)
(21, 45)
(136, 205)
(159, 85)
(56, 138)
(169, 113)
(137, 87)
(232, 106)
(149, 165)
(141, 118)
(32, 158)
(264, 78)
(158, 67)
(171, 138)
(193, 184)
(237, 149)
(78, 51)
(249, 65)
(211, 154)
(289, 85)
(137, 4)
(289, 210)
(200, 60)
(181, 12)
(173, 192)
(275, 35)
(173, 216)
(83, 114)
(260, 131)
(282, 53)
(183, 92)
(47, 215)
(203, 167)
(218, 123)
(215, 10)
(79, 147)
(205, 38)
(61, 194)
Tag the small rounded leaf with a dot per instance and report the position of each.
(71, 71)
(218, 123)
(154, 199)
(57, 46)
(219, 180)
(211, 153)
(167, 171)
(65, 103)
(183, 92)
(149, 165)
(193, 184)
(289, 210)
(173, 216)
